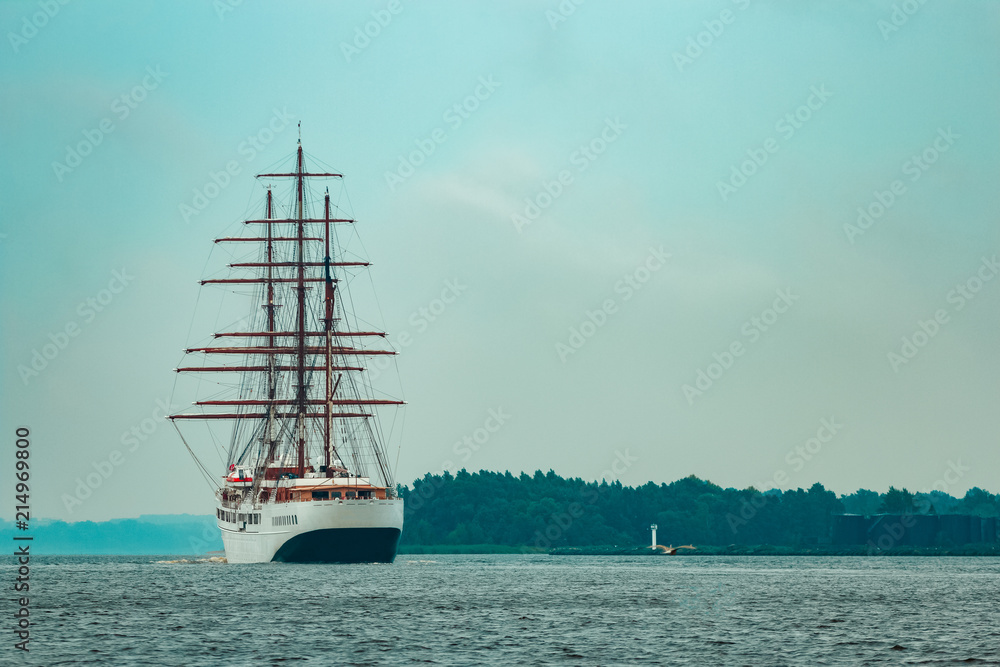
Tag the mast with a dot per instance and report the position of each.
(328, 325)
(300, 259)
(284, 406)
(272, 378)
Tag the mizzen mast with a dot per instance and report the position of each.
(328, 448)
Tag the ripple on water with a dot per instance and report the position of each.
(460, 610)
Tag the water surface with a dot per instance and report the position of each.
(527, 609)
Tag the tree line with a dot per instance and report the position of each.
(545, 510)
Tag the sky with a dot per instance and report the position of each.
(750, 241)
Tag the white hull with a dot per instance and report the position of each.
(347, 530)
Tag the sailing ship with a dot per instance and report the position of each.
(307, 476)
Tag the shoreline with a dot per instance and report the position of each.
(974, 550)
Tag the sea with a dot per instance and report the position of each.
(513, 610)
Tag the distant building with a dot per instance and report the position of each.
(885, 531)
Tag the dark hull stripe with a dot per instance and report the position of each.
(341, 545)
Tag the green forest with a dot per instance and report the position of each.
(545, 511)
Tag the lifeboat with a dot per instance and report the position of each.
(239, 476)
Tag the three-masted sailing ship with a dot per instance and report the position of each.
(307, 476)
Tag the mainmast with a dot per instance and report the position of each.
(328, 327)
(300, 258)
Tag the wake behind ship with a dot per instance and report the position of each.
(308, 478)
